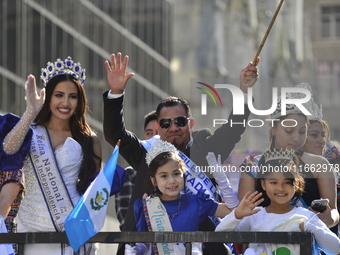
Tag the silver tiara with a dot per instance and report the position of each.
(62, 67)
(316, 112)
(292, 108)
(157, 148)
(278, 154)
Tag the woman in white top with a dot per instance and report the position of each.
(64, 154)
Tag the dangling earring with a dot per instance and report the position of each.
(154, 188)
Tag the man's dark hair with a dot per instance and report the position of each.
(149, 117)
(173, 101)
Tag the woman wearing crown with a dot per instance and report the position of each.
(318, 138)
(318, 143)
(318, 175)
(64, 153)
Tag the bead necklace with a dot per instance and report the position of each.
(174, 214)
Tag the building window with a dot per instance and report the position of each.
(330, 22)
(329, 83)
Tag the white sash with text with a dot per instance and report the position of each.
(49, 178)
(159, 222)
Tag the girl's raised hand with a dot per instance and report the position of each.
(33, 100)
(248, 204)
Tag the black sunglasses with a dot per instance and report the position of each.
(180, 121)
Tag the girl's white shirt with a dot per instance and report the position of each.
(263, 221)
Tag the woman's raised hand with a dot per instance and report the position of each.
(33, 100)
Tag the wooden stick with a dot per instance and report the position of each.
(267, 32)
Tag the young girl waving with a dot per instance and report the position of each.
(281, 186)
(290, 133)
(169, 208)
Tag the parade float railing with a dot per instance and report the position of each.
(301, 238)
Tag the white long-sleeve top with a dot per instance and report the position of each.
(263, 221)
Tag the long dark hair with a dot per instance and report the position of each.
(292, 174)
(81, 131)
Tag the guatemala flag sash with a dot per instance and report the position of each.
(88, 216)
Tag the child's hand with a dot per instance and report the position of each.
(247, 205)
(324, 216)
(302, 226)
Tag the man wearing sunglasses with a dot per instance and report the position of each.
(174, 124)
